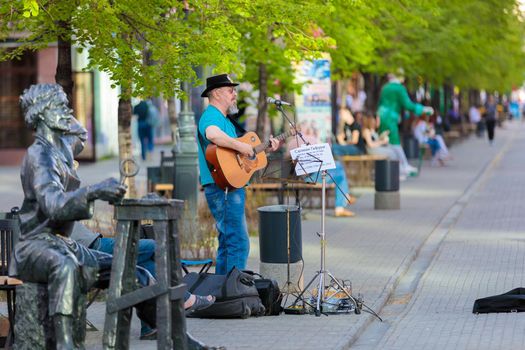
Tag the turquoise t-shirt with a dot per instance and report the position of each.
(211, 116)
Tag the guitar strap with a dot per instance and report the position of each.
(201, 141)
(238, 128)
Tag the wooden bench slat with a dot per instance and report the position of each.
(278, 186)
(10, 281)
(164, 187)
(359, 168)
(363, 157)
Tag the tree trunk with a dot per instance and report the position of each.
(124, 142)
(337, 94)
(262, 105)
(436, 100)
(289, 97)
(371, 92)
(447, 103)
(172, 115)
(64, 72)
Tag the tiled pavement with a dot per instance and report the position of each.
(482, 254)
(468, 211)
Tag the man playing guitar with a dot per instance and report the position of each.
(227, 207)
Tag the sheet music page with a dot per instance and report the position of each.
(312, 158)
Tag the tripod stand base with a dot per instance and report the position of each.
(279, 272)
(330, 296)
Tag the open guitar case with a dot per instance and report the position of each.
(512, 301)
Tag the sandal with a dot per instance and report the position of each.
(342, 212)
(201, 303)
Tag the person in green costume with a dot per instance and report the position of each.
(393, 98)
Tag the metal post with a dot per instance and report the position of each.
(186, 161)
(322, 234)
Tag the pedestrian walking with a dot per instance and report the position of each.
(147, 120)
(491, 118)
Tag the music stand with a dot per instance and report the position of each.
(310, 159)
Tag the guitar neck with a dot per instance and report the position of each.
(263, 146)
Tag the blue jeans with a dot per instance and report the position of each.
(228, 211)
(146, 252)
(146, 136)
(338, 176)
(434, 146)
(145, 258)
(345, 150)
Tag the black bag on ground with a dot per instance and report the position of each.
(235, 293)
(512, 301)
(269, 293)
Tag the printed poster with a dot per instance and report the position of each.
(313, 105)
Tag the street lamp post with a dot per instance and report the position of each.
(186, 160)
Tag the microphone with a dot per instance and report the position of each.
(277, 102)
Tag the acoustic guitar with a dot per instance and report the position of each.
(232, 170)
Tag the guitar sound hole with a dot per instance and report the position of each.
(252, 157)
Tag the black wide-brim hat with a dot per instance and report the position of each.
(216, 82)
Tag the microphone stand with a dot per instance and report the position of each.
(292, 125)
(289, 288)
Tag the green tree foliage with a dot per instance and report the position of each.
(118, 34)
(277, 34)
(375, 35)
(30, 8)
(476, 44)
(232, 36)
(472, 43)
(272, 36)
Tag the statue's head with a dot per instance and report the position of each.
(76, 137)
(46, 103)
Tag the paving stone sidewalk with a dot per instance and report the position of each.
(483, 254)
(373, 250)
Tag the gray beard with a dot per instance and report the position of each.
(233, 109)
(53, 125)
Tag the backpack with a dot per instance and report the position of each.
(512, 301)
(235, 293)
(269, 293)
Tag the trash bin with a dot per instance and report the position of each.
(275, 222)
(411, 147)
(387, 175)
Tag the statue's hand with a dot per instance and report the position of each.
(109, 190)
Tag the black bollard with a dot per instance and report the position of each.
(387, 185)
(411, 147)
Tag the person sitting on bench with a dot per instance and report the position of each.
(337, 176)
(425, 134)
(349, 141)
